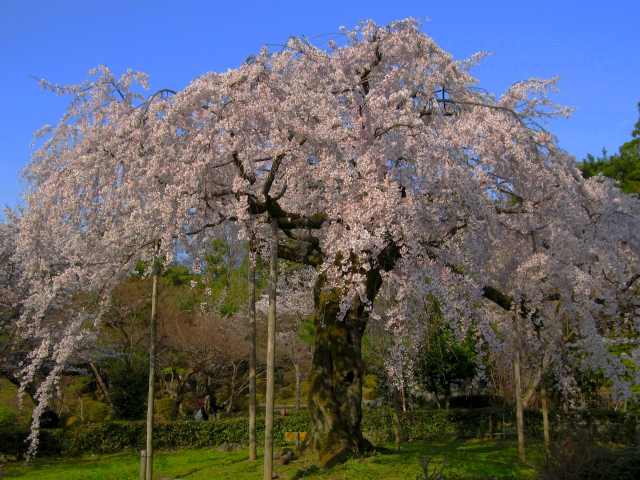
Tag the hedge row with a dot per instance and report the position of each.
(377, 425)
(421, 425)
(110, 437)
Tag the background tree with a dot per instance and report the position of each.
(442, 359)
(204, 344)
(624, 166)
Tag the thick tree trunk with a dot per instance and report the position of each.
(335, 380)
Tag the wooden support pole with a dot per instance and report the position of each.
(396, 417)
(519, 406)
(543, 399)
(143, 465)
(545, 410)
(252, 351)
(152, 361)
(271, 355)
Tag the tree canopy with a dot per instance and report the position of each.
(379, 159)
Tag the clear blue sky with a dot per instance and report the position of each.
(594, 45)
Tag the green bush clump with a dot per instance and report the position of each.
(8, 417)
(578, 455)
(130, 397)
(95, 411)
(13, 441)
(163, 408)
(420, 425)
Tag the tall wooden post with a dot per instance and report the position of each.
(271, 354)
(396, 417)
(519, 402)
(152, 362)
(298, 384)
(252, 351)
(545, 409)
(143, 465)
(543, 399)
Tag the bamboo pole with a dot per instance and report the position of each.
(298, 385)
(152, 363)
(519, 407)
(543, 399)
(396, 417)
(545, 410)
(252, 351)
(271, 355)
(143, 465)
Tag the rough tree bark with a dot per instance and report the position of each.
(337, 371)
(335, 380)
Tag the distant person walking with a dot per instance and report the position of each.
(201, 414)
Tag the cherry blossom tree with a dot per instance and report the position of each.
(378, 159)
(89, 221)
(13, 348)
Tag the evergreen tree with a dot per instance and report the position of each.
(623, 166)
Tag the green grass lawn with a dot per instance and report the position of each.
(465, 459)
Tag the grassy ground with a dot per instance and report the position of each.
(465, 459)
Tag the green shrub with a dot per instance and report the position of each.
(578, 455)
(13, 441)
(370, 381)
(8, 417)
(131, 383)
(163, 408)
(94, 411)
